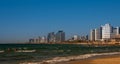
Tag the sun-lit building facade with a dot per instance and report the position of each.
(106, 31)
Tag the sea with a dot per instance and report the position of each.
(9, 52)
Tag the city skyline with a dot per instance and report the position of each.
(105, 32)
(21, 20)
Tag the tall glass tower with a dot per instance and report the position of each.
(60, 36)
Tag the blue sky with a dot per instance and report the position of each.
(24, 19)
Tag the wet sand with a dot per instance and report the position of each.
(110, 59)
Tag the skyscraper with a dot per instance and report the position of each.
(51, 37)
(118, 30)
(31, 41)
(92, 35)
(60, 36)
(43, 39)
(98, 33)
(75, 37)
(115, 32)
(106, 31)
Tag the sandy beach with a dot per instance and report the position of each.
(112, 59)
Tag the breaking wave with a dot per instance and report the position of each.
(69, 58)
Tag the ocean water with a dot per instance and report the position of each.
(47, 51)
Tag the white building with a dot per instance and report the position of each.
(106, 31)
(43, 39)
(75, 37)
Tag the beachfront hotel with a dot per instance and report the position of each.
(104, 33)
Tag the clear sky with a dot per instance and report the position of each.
(24, 19)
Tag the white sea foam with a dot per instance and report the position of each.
(1, 51)
(69, 58)
(26, 51)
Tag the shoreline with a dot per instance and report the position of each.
(61, 60)
(108, 59)
(91, 59)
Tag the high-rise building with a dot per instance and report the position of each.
(39, 39)
(83, 37)
(43, 39)
(106, 31)
(34, 41)
(98, 33)
(75, 37)
(51, 37)
(92, 35)
(87, 37)
(115, 32)
(60, 36)
(118, 30)
(31, 41)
